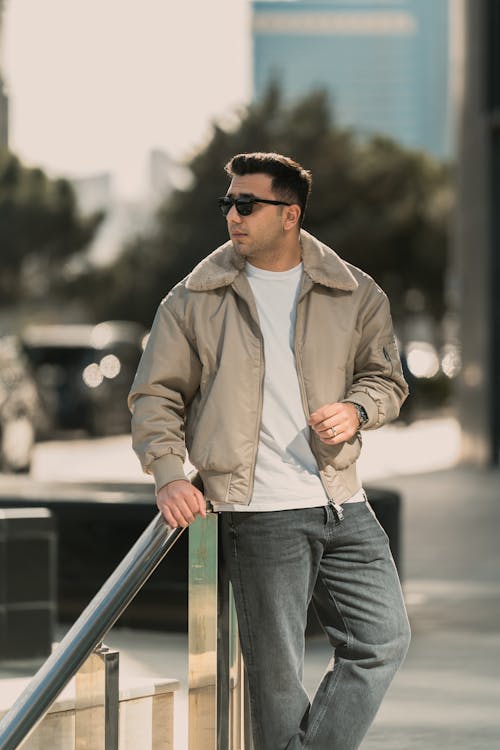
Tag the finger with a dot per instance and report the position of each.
(329, 433)
(179, 518)
(323, 426)
(177, 514)
(194, 501)
(331, 429)
(340, 437)
(325, 412)
(343, 424)
(316, 419)
(169, 518)
(186, 509)
(202, 504)
(326, 424)
(319, 415)
(332, 436)
(330, 441)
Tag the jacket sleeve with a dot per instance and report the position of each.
(378, 383)
(166, 381)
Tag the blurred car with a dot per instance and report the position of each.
(84, 373)
(429, 373)
(20, 407)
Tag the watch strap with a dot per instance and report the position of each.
(362, 415)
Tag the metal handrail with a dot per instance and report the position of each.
(87, 632)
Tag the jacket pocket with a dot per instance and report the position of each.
(216, 485)
(391, 354)
(340, 456)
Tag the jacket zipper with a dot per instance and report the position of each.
(336, 507)
(261, 398)
(337, 510)
(259, 420)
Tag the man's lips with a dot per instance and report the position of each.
(236, 235)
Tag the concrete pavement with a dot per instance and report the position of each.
(447, 695)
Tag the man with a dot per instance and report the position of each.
(266, 362)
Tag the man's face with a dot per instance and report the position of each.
(258, 235)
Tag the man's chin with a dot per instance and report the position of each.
(240, 247)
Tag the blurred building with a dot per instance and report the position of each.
(123, 219)
(93, 192)
(477, 232)
(4, 102)
(127, 217)
(165, 174)
(4, 116)
(384, 63)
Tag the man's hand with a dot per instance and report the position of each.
(335, 423)
(180, 502)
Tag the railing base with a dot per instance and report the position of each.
(146, 716)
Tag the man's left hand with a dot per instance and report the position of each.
(335, 423)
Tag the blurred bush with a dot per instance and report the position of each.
(40, 230)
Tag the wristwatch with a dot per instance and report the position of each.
(362, 415)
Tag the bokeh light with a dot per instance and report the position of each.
(92, 375)
(110, 366)
(423, 360)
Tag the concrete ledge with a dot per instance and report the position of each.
(146, 715)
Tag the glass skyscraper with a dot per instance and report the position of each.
(384, 63)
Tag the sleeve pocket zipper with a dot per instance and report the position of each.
(388, 358)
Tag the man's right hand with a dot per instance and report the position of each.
(180, 502)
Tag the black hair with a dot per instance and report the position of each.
(290, 181)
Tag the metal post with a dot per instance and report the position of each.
(240, 736)
(203, 570)
(224, 712)
(218, 698)
(97, 701)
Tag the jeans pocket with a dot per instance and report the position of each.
(373, 515)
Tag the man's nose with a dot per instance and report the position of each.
(233, 215)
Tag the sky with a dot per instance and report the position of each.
(94, 84)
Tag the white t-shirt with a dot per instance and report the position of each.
(286, 472)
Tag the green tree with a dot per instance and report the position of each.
(382, 207)
(40, 229)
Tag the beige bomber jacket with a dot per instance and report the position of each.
(200, 380)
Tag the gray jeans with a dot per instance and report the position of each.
(278, 562)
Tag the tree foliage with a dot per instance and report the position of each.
(40, 229)
(382, 207)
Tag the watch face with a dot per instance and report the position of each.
(363, 416)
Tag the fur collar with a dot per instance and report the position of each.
(321, 264)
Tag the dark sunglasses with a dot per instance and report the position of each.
(244, 206)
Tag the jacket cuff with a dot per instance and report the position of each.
(167, 468)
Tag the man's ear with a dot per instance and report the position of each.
(291, 216)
